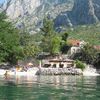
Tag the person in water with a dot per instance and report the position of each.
(6, 73)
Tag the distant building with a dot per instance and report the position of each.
(75, 50)
(97, 47)
(76, 45)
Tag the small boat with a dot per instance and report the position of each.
(2, 72)
(29, 72)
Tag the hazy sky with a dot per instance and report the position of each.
(1, 1)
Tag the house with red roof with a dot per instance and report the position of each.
(76, 45)
(97, 47)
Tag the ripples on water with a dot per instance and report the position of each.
(50, 88)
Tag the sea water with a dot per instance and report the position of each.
(50, 88)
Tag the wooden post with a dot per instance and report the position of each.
(40, 63)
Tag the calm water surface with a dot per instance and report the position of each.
(50, 88)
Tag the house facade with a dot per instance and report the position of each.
(76, 45)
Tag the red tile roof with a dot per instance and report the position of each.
(97, 47)
(74, 42)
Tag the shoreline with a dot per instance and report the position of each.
(89, 71)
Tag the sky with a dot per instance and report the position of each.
(1, 1)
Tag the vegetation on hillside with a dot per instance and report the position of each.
(88, 33)
(52, 42)
(14, 44)
(17, 44)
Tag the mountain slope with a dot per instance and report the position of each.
(30, 13)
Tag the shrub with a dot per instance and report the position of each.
(79, 64)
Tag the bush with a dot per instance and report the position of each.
(80, 65)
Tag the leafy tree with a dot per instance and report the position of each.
(97, 60)
(48, 33)
(64, 46)
(10, 50)
(80, 65)
(65, 36)
(25, 38)
(48, 27)
(88, 54)
(55, 45)
(51, 41)
(30, 48)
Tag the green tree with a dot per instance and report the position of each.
(79, 64)
(10, 50)
(55, 45)
(65, 36)
(48, 33)
(87, 54)
(30, 48)
(64, 46)
(97, 60)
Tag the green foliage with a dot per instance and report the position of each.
(65, 36)
(89, 54)
(97, 61)
(30, 48)
(79, 64)
(88, 33)
(25, 38)
(51, 41)
(10, 49)
(48, 35)
(48, 27)
(55, 45)
(64, 46)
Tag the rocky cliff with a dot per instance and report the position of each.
(30, 13)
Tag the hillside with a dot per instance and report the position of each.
(89, 33)
(29, 14)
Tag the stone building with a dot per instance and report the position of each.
(59, 63)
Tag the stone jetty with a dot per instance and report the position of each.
(60, 71)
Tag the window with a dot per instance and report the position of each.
(54, 66)
(61, 65)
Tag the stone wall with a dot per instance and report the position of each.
(59, 71)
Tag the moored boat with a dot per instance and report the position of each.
(30, 71)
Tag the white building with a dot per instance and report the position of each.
(76, 46)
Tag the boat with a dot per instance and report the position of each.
(29, 72)
(2, 72)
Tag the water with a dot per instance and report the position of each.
(90, 71)
(50, 88)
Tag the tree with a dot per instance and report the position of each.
(30, 47)
(55, 45)
(97, 60)
(80, 65)
(65, 36)
(31, 50)
(48, 33)
(10, 49)
(64, 46)
(87, 54)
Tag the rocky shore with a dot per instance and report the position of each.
(60, 71)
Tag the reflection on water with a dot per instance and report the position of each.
(50, 88)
